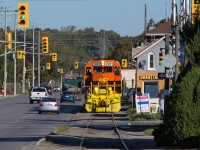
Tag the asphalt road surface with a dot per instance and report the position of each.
(22, 126)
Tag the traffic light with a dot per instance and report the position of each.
(61, 70)
(48, 66)
(45, 45)
(23, 18)
(54, 57)
(161, 58)
(76, 65)
(9, 40)
(20, 54)
(124, 63)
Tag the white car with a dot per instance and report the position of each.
(57, 89)
(49, 104)
(37, 93)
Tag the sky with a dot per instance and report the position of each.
(125, 17)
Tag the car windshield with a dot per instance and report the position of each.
(38, 90)
(68, 93)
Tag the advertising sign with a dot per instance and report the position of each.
(142, 103)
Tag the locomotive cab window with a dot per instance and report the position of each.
(107, 69)
(117, 71)
(88, 70)
(196, 1)
(97, 69)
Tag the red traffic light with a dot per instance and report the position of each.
(22, 8)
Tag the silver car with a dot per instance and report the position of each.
(49, 104)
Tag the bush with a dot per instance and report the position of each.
(182, 118)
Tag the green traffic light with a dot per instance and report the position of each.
(160, 63)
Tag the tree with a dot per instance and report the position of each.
(181, 125)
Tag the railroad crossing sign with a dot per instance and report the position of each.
(169, 60)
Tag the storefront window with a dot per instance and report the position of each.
(151, 88)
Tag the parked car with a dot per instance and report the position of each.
(49, 104)
(57, 89)
(37, 93)
(67, 96)
(130, 94)
(49, 89)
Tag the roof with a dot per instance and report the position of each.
(161, 29)
(138, 51)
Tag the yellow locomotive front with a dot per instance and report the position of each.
(103, 84)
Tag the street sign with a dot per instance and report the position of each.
(161, 75)
(169, 60)
(169, 73)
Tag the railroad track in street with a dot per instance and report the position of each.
(97, 124)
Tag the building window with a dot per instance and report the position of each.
(151, 61)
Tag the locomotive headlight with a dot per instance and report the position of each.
(96, 89)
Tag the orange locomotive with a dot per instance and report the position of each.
(103, 85)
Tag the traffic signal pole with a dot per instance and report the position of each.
(39, 58)
(33, 73)
(5, 59)
(15, 59)
(24, 63)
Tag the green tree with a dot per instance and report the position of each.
(181, 125)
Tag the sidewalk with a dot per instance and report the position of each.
(8, 95)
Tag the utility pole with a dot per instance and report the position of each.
(33, 73)
(38, 58)
(145, 19)
(5, 58)
(24, 63)
(15, 60)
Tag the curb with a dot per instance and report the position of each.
(38, 143)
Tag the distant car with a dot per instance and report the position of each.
(49, 89)
(49, 104)
(56, 89)
(67, 96)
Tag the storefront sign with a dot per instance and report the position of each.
(148, 77)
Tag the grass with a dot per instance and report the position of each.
(148, 131)
(47, 142)
(142, 116)
(61, 129)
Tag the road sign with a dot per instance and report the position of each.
(169, 73)
(161, 75)
(169, 60)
